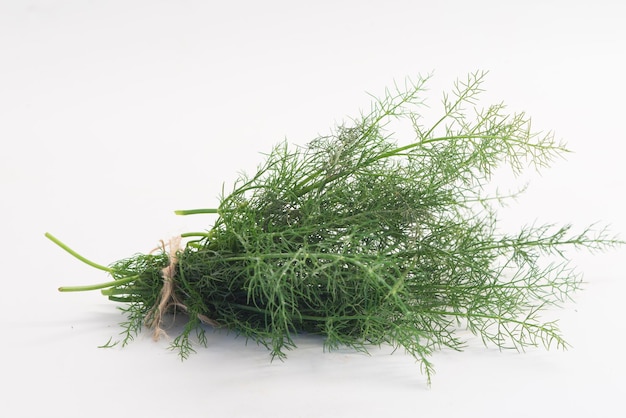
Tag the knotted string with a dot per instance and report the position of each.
(167, 297)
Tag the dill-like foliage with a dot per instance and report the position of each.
(368, 241)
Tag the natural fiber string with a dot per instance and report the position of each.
(167, 297)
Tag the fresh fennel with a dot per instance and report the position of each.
(366, 241)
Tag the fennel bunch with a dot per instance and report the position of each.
(367, 241)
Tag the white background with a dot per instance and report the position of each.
(115, 113)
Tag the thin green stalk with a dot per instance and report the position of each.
(76, 255)
(196, 211)
(98, 286)
(196, 234)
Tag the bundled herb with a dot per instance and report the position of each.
(366, 241)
